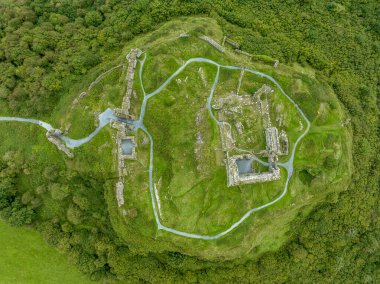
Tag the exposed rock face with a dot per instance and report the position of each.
(53, 137)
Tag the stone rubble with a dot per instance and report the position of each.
(271, 137)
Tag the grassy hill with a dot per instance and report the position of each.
(324, 230)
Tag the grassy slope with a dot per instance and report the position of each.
(26, 258)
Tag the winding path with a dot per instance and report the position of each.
(107, 116)
(287, 165)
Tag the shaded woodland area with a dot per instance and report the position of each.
(46, 46)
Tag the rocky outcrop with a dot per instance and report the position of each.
(54, 137)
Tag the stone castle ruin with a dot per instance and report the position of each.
(239, 167)
(126, 144)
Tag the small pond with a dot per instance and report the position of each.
(127, 146)
(244, 166)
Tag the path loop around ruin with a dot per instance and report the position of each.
(287, 165)
(107, 116)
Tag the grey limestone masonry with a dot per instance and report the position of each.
(230, 42)
(132, 62)
(271, 136)
(235, 178)
(243, 52)
(284, 143)
(228, 142)
(276, 144)
(120, 193)
(212, 42)
(123, 129)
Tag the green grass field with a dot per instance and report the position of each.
(26, 258)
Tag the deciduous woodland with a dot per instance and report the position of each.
(50, 52)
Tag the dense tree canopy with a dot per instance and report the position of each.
(47, 45)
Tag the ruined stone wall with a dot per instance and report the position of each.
(227, 139)
(271, 136)
(234, 178)
(212, 42)
(132, 63)
(120, 193)
(284, 143)
(122, 128)
(243, 52)
(272, 175)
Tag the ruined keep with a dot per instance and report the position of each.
(276, 142)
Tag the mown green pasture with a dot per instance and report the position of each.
(26, 258)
